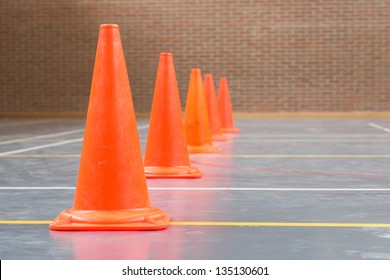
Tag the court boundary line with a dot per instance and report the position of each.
(232, 224)
(23, 123)
(222, 189)
(308, 140)
(377, 126)
(41, 136)
(290, 156)
(39, 147)
(237, 114)
(208, 156)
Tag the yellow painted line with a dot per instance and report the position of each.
(272, 224)
(207, 155)
(231, 224)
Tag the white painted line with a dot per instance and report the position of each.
(37, 188)
(41, 136)
(224, 189)
(215, 156)
(24, 123)
(143, 127)
(270, 189)
(41, 147)
(52, 145)
(288, 156)
(379, 127)
(305, 136)
(340, 140)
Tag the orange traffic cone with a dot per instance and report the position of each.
(111, 191)
(225, 108)
(166, 153)
(212, 109)
(196, 119)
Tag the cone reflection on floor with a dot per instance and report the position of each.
(212, 109)
(196, 120)
(111, 191)
(225, 108)
(166, 153)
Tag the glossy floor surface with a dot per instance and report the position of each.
(281, 189)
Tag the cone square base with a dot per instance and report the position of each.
(219, 137)
(231, 130)
(172, 172)
(95, 220)
(203, 149)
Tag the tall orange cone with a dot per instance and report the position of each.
(196, 119)
(212, 109)
(111, 191)
(225, 107)
(166, 153)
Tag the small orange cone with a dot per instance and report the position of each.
(225, 108)
(196, 119)
(166, 153)
(212, 109)
(111, 191)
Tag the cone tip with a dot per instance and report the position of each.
(208, 76)
(223, 81)
(196, 71)
(166, 54)
(109, 25)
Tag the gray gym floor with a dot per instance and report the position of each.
(282, 189)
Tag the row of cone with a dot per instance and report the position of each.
(111, 191)
(169, 139)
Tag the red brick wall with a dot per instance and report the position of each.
(279, 55)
